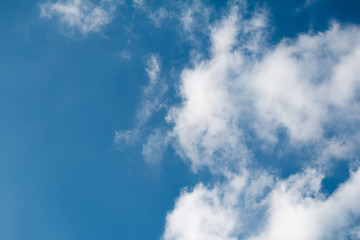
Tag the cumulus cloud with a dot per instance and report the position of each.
(298, 210)
(245, 95)
(303, 91)
(300, 85)
(224, 211)
(207, 122)
(254, 208)
(201, 214)
(82, 16)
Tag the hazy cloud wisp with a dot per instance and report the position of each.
(80, 16)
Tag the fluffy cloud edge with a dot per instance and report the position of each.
(260, 206)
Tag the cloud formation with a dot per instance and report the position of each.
(298, 210)
(301, 86)
(254, 208)
(82, 16)
(247, 96)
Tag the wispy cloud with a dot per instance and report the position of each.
(126, 137)
(156, 16)
(155, 146)
(194, 18)
(153, 92)
(151, 102)
(139, 3)
(82, 16)
(124, 54)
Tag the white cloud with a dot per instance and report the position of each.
(249, 207)
(194, 19)
(224, 211)
(298, 210)
(201, 215)
(81, 16)
(207, 123)
(247, 91)
(214, 212)
(336, 149)
(300, 85)
(153, 92)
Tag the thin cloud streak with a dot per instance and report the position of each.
(151, 102)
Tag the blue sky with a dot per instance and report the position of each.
(179, 120)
